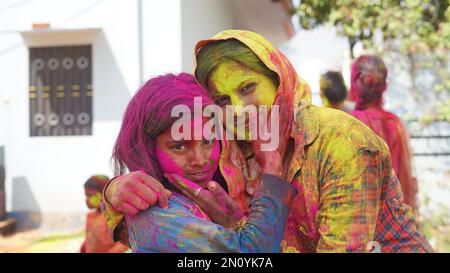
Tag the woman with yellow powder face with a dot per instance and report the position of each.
(348, 200)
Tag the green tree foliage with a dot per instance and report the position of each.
(417, 29)
(418, 23)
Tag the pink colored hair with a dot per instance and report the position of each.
(147, 116)
(368, 81)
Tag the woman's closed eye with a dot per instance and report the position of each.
(248, 88)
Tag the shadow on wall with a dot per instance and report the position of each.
(111, 94)
(25, 207)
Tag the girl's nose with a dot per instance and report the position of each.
(198, 157)
(236, 101)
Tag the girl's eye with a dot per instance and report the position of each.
(222, 100)
(248, 88)
(179, 147)
(208, 142)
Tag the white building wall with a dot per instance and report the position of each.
(314, 52)
(46, 174)
(201, 19)
(162, 43)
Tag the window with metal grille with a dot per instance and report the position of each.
(60, 91)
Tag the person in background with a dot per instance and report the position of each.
(333, 91)
(368, 83)
(97, 235)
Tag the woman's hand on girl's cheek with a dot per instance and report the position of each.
(272, 161)
(214, 201)
(231, 212)
(136, 191)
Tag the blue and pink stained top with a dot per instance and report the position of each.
(184, 228)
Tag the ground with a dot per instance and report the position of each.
(36, 242)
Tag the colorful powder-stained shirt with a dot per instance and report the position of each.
(389, 127)
(348, 196)
(183, 227)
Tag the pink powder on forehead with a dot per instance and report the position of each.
(198, 123)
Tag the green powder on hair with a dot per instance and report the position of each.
(211, 55)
